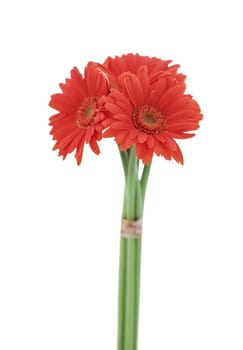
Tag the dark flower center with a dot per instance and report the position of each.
(149, 119)
(86, 112)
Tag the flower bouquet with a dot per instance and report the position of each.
(141, 102)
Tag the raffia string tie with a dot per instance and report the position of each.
(131, 228)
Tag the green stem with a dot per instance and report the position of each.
(124, 159)
(131, 185)
(144, 178)
(122, 294)
(130, 254)
(137, 285)
(131, 296)
(129, 286)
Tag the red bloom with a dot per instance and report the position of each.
(150, 115)
(114, 67)
(80, 114)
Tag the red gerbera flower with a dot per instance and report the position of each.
(150, 115)
(114, 67)
(80, 114)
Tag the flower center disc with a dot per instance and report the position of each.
(149, 120)
(86, 112)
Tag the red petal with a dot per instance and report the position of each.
(133, 88)
(142, 137)
(150, 141)
(141, 149)
(61, 103)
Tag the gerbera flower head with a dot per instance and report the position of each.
(156, 67)
(80, 113)
(151, 114)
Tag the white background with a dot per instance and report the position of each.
(60, 223)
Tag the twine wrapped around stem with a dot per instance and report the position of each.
(131, 228)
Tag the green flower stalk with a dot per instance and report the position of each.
(130, 250)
